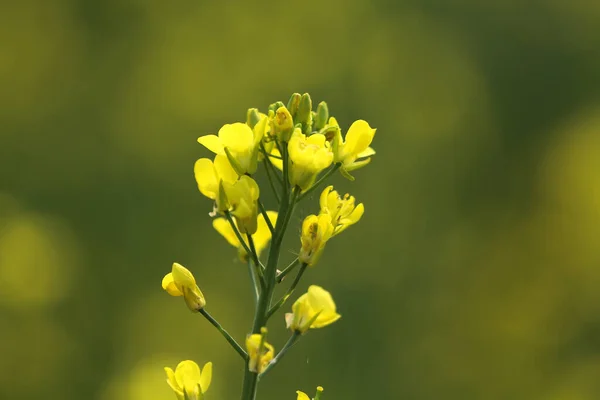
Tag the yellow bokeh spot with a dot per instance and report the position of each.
(37, 260)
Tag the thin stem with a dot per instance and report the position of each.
(237, 233)
(270, 179)
(287, 270)
(255, 290)
(263, 211)
(322, 179)
(225, 334)
(289, 292)
(257, 263)
(288, 345)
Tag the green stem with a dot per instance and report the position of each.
(286, 209)
(287, 270)
(257, 263)
(289, 292)
(288, 345)
(263, 211)
(255, 290)
(237, 233)
(322, 179)
(225, 334)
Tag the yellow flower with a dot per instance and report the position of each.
(239, 143)
(189, 379)
(259, 351)
(242, 198)
(308, 156)
(355, 147)
(181, 282)
(316, 231)
(342, 210)
(209, 176)
(314, 309)
(261, 237)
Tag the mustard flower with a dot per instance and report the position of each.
(260, 352)
(283, 124)
(181, 282)
(308, 156)
(314, 309)
(209, 177)
(239, 143)
(261, 237)
(316, 231)
(354, 152)
(242, 198)
(343, 211)
(187, 378)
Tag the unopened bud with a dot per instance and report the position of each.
(252, 117)
(304, 115)
(322, 116)
(293, 104)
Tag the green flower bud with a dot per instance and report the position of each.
(322, 116)
(252, 117)
(293, 104)
(304, 114)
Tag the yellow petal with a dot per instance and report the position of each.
(276, 161)
(187, 375)
(212, 142)
(182, 276)
(367, 153)
(323, 200)
(302, 396)
(356, 214)
(206, 377)
(355, 165)
(237, 137)
(359, 137)
(321, 302)
(263, 233)
(224, 170)
(224, 228)
(172, 381)
(169, 285)
(204, 172)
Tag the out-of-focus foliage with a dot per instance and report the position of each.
(475, 273)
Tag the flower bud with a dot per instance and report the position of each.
(293, 104)
(283, 123)
(181, 282)
(304, 115)
(322, 116)
(252, 117)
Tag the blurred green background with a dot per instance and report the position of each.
(474, 274)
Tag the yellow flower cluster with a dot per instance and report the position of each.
(299, 149)
(337, 213)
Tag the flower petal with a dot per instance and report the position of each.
(224, 169)
(367, 153)
(238, 137)
(182, 276)
(173, 382)
(213, 143)
(359, 137)
(224, 228)
(204, 172)
(206, 377)
(302, 395)
(169, 285)
(187, 375)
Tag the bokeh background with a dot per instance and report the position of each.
(474, 274)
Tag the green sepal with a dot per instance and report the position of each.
(274, 106)
(346, 174)
(293, 104)
(234, 163)
(321, 117)
(358, 164)
(222, 201)
(185, 395)
(259, 134)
